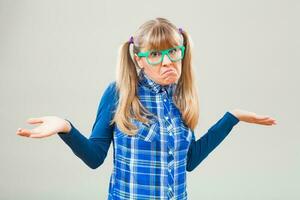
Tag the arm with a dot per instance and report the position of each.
(93, 150)
(200, 149)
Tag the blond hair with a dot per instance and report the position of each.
(158, 34)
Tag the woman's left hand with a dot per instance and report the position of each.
(252, 117)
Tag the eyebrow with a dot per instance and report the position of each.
(161, 49)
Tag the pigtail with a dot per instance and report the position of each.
(129, 106)
(187, 97)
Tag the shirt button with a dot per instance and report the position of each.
(165, 100)
(170, 152)
(167, 117)
(169, 170)
(170, 188)
(170, 134)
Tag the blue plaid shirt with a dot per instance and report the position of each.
(153, 163)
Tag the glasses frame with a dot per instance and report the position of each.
(163, 52)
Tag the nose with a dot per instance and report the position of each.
(166, 60)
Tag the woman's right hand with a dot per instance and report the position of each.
(48, 125)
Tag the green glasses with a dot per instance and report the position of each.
(154, 57)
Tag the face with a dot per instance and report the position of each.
(164, 73)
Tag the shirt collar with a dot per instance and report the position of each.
(145, 80)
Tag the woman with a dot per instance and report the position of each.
(150, 113)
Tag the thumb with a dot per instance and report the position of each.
(34, 120)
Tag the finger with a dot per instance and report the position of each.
(272, 121)
(24, 132)
(28, 133)
(41, 135)
(267, 122)
(34, 120)
(262, 123)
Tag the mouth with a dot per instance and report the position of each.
(168, 70)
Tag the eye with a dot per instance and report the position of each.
(155, 54)
(173, 51)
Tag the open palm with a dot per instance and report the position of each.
(48, 125)
(252, 117)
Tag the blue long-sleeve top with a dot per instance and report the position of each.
(93, 150)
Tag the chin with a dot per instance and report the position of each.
(169, 83)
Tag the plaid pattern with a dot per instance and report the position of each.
(152, 164)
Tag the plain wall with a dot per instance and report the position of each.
(57, 57)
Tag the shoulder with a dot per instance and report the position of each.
(110, 94)
(110, 89)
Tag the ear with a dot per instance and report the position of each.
(138, 60)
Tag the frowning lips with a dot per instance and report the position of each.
(168, 70)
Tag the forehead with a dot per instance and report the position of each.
(161, 40)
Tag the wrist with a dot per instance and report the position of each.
(67, 127)
(235, 113)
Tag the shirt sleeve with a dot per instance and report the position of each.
(93, 150)
(201, 148)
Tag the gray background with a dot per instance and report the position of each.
(57, 57)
